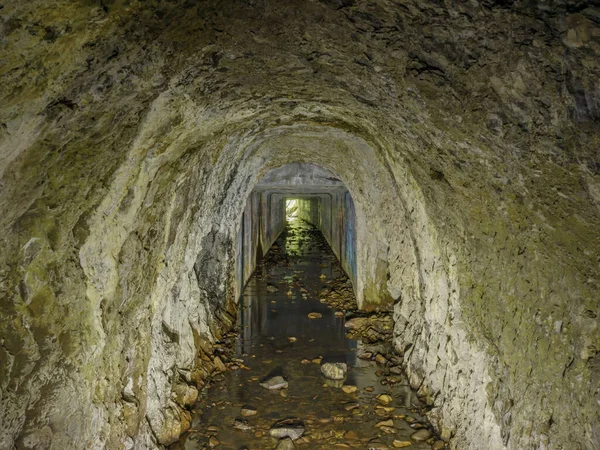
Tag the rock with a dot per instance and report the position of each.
(248, 411)
(376, 445)
(356, 322)
(274, 383)
(365, 355)
(292, 339)
(396, 370)
(351, 406)
(305, 361)
(285, 444)
(287, 428)
(219, 364)
(317, 360)
(401, 444)
(349, 388)
(385, 423)
(380, 359)
(421, 435)
(315, 315)
(241, 424)
(438, 445)
(272, 288)
(384, 399)
(334, 371)
(213, 442)
(338, 314)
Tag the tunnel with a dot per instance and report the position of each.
(447, 151)
(318, 197)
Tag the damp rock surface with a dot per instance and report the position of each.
(132, 134)
(334, 371)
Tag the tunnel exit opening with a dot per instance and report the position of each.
(291, 209)
(297, 191)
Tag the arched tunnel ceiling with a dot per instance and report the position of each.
(296, 178)
(131, 134)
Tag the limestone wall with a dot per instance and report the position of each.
(132, 134)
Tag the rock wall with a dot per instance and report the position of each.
(132, 133)
(262, 222)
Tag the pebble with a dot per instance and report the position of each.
(273, 383)
(401, 444)
(384, 399)
(380, 359)
(376, 445)
(369, 389)
(248, 411)
(421, 435)
(287, 428)
(386, 409)
(292, 339)
(338, 314)
(219, 364)
(386, 423)
(349, 388)
(315, 315)
(365, 355)
(396, 370)
(351, 406)
(305, 361)
(334, 371)
(317, 360)
(438, 445)
(241, 424)
(285, 444)
(213, 442)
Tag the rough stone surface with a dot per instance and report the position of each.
(287, 428)
(334, 371)
(274, 383)
(285, 444)
(131, 134)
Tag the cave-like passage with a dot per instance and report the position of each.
(289, 330)
(296, 305)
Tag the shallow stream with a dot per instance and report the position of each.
(278, 337)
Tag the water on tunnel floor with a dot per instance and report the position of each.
(278, 337)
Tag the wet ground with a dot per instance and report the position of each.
(279, 337)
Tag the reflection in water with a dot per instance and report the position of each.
(277, 335)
